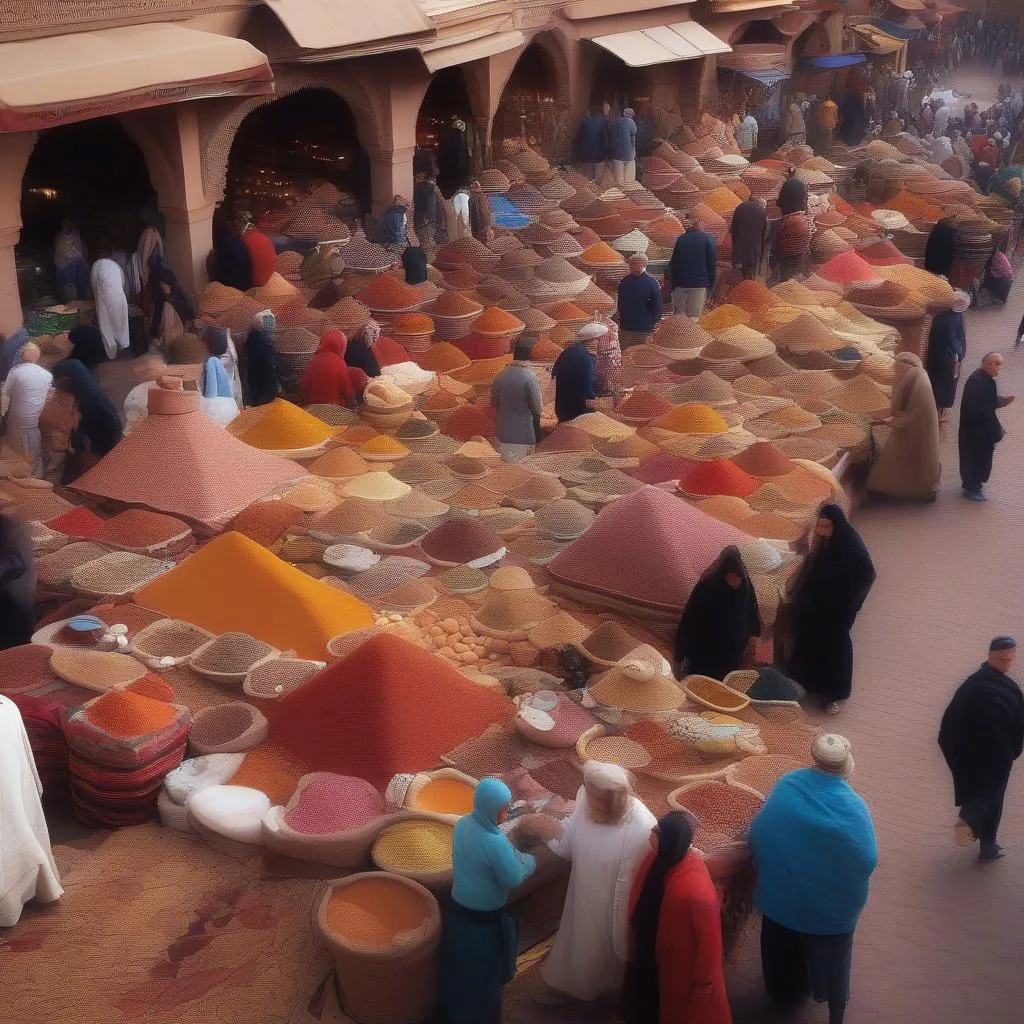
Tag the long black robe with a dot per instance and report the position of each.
(718, 621)
(17, 584)
(360, 355)
(947, 344)
(262, 377)
(832, 586)
(748, 234)
(980, 429)
(573, 372)
(982, 734)
(99, 425)
(940, 247)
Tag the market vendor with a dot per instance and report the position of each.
(639, 303)
(574, 373)
(480, 936)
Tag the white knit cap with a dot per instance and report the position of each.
(831, 754)
(588, 332)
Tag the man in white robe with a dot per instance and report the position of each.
(27, 869)
(108, 289)
(606, 838)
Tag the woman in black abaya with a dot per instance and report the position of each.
(826, 596)
(940, 247)
(719, 620)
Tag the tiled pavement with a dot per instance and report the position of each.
(940, 940)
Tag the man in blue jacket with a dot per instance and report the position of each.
(622, 147)
(639, 303)
(691, 270)
(592, 144)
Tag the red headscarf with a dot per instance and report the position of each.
(328, 379)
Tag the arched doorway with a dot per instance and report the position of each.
(282, 149)
(92, 173)
(529, 102)
(446, 126)
(617, 84)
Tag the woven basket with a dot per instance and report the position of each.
(272, 679)
(439, 878)
(741, 680)
(230, 657)
(403, 792)
(597, 732)
(168, 643)
(227, 729)
(775, 764)
(117, 574)
(95, 670)
(675, 798)
(397, 985)
(713, 694)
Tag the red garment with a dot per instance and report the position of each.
(977, 144)
(262, 255)
(328, 379)
(990, 156)
(691, 973)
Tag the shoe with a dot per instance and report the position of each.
(990, 853)
(833, 707)
(976, 495)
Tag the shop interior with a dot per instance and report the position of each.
(92, 173)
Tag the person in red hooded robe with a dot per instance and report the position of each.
(676, 972)
(328, 379)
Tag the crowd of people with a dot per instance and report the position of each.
(641, 922)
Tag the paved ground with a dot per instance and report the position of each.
(939, 940)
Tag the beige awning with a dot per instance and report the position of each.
(448, 55)
(59, 79)
(583, 9)
(344, 24)
(684, 41)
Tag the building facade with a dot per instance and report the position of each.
(182, 79)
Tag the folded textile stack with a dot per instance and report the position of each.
(122, 745)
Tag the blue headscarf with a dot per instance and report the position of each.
(486, 866)
(492, 796)
(216, 383)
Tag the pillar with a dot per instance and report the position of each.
(11, 315)
(390, 173)
(187, 243)
(15, 150)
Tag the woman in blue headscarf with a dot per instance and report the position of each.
(478, 947)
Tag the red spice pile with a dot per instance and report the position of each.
(719, 476)
(460, 541)
(388, 707)
(79, 523)
(470, 421)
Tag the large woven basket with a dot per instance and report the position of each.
(167, 643)
(407, 797)
(227, 659)
(272, 679)
(227, 729)
(397, 985)
(438, 877)
(714, 695)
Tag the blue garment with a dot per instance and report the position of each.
(592, 143)
(622, 139)
(693, 260)
(814, 849)
(216, 383)
(485, 865)
(10, 349)
(574, 381)
(639, 303)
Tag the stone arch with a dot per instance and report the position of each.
(218, 130)
(558, 60)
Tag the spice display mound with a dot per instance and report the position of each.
(281, 426)
(646, 549)
(186, 465)
(374, 912)
(234, 585)
(388, 707)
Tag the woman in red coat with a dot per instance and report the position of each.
(328, 379)
(676, 973)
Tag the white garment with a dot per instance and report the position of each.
(460, 205)
(27, 386)
(941, 120)
(108, 289)
(942, 149)
(589, 954)
(230, 363)
(136, 407)
(27, 870)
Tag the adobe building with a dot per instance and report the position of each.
(109, 108)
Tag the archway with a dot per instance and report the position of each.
(760, 31)
(457, 149)
(93, 173)
(617, 84)
(529, 102)
(284, 147)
